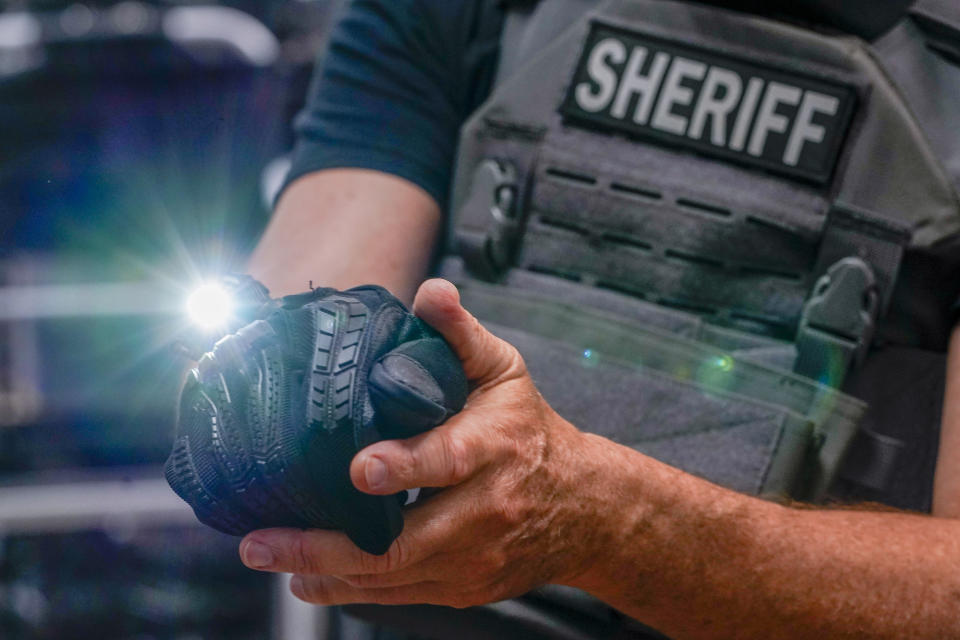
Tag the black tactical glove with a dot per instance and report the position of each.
(270, 420)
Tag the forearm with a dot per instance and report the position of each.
(345, 227)
(946, 488)
(697, 561)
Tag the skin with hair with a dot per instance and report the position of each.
(529, 499)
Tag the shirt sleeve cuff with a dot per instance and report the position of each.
(434, 183)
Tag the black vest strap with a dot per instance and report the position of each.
(858, 262)
(940, 22)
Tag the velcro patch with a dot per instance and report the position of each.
(755, 114)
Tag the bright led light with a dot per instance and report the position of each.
(210, 306)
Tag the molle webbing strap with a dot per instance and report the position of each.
(636, 311)
(875, 462)
(632, 220)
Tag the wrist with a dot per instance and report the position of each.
(580, 490)
(615, 482)
(661, 532)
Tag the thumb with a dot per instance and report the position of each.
(445, 456)
(484, 356)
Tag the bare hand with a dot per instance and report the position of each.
(520, 505)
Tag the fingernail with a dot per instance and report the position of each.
(375, 473)
(257, 555)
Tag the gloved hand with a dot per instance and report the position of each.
(271, 418)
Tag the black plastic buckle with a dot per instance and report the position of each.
(505, 225)
(492, 225)
(838, 321)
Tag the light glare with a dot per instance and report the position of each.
(210, 306)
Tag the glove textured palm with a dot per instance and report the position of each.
(271, 418)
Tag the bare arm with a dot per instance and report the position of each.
(700, 562)
(345, 227)
(740, 567)
(946, 489)
(531, 500)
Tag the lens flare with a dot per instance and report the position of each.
(210, 306)
(724, 363)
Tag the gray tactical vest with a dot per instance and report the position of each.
(692, 224)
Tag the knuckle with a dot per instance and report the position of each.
(299, 553)
(516, 364)
(396, 556)
(457, 457)
(509, 363)
(407, 463)
(363, 581)
(446, 456)
(314, 591)
(493, 562)
(369, 563)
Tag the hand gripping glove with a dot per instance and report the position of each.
(271, 418)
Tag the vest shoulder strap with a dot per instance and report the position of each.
(946, 12)
(518, 14)
(940, 22)
(532, 24)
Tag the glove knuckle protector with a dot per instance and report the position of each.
(271, 418)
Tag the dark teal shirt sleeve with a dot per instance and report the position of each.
(397, 81)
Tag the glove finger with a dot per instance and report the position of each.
(192, 469)
(223, 467)
(275, 440)
(416, 387)
(261, 452)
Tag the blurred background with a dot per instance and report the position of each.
(140, 146)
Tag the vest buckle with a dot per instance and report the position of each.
(491, 230)
(838, 321)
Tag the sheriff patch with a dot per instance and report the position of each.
(722, 106)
